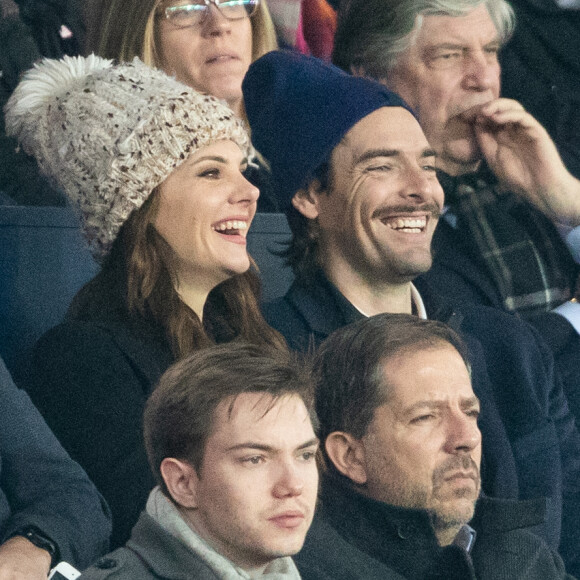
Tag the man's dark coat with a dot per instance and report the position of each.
(462, 278)
(403, 540)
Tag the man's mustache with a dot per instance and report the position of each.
(457, 463)
(430, 208)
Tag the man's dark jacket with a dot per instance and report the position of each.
(461, 276)
(41, 486)
(403, 540)
(531, 445)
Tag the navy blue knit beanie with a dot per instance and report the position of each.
(299, 108)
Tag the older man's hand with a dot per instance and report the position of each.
(22, 560)
(524, 158)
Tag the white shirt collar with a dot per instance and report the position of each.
(416, 301)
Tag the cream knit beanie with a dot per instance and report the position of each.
(108, 135)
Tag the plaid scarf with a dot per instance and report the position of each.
(517, 245)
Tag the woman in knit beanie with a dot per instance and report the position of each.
(155, 170)
(206, 44)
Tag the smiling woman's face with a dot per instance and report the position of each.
(212, 56)
(205, 209)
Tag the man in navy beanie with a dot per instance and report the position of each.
(510, 237)
(356, 178)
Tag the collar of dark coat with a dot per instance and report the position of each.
(142, 341)
(328, 555)
(322, 305)
(357, 516)
(144, 344)
(326, 309)
(400, 538)
(354, 514)
(501, 515)
(451, 253)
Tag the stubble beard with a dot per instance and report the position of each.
(447, 511)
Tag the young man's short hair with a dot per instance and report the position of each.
(179, 415)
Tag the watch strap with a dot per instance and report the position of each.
(35, 536)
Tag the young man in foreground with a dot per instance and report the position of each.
(230, 438)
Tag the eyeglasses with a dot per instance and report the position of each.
(184, 15)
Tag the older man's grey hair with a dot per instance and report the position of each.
(371, 34)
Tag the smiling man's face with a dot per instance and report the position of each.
(450, 68)
(383, 202)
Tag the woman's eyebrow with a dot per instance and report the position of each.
(210, 158)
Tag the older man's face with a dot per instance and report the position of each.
(423, 446)
(449, 71)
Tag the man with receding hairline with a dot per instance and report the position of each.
(398, 427)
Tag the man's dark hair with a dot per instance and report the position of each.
(348, 367)
(179, 415)
(302, 251)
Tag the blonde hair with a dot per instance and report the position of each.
(124, 29)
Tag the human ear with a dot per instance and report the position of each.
(347, 454)
(305, 200)
(181, 480)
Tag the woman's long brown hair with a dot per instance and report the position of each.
(145, 261)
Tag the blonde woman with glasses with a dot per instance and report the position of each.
(206, 44)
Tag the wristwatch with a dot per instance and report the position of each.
(40, 540)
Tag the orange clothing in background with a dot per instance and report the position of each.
(318, 27)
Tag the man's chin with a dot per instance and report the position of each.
(455, 515)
